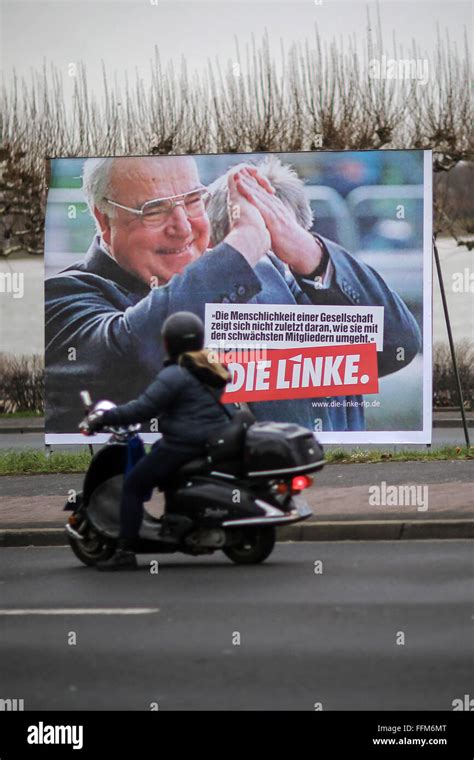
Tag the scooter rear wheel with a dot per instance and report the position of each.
(94, 548)
(256, 545)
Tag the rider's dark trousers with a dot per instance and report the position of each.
(152, 470)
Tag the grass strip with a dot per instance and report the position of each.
(34, 461)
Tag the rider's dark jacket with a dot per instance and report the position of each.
(184, 397)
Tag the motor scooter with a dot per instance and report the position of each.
(213, 503)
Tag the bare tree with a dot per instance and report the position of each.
(320, 95)
(442, 111)
(248, 102)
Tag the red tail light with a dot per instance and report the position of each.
(300, 482)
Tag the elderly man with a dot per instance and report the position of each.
(151, 258)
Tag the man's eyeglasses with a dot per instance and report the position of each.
(156, 212)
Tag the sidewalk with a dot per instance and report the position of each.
(21, 425)
(342, 499)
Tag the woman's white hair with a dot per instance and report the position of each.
(96, 185)
(289, 188)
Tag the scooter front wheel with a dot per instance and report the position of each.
(93, 548)
(254, 546)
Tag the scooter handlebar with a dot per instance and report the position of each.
(84, 427)
(102, 406)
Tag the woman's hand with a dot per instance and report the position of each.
(289, 241)
(249, 233)
(93, 422)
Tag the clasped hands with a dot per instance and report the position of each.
(260, 220)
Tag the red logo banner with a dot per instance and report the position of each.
(342, 370)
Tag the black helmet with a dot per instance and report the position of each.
(182, 331)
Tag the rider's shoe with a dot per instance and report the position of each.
(122, 559)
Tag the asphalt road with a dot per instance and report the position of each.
(305, 637)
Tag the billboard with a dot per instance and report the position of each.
(310, 270)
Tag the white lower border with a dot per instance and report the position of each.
(389, 437)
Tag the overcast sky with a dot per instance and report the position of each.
(124, 32)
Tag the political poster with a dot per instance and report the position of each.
(311, 272)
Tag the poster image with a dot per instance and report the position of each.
(311, 272)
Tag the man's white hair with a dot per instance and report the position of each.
(96, 185)
(289, 188)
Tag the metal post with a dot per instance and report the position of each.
(451, 343)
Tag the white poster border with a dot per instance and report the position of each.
(392, 437)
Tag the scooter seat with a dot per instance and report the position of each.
(194, 466)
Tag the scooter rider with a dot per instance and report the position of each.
(184, 395)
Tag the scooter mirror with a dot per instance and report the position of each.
(86, 399)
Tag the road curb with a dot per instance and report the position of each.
(377, 530)
(363, 530)
(33, 537)
(22, 429)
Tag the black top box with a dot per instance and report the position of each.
(277, 448)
